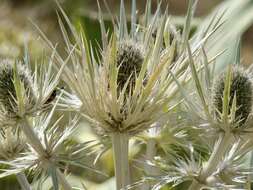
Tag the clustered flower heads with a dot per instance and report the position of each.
(231, 102)
(240, 91)
(127, 89)
(26, 97)
(225, 131)
(145, 80)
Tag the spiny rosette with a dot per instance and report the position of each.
(240, 90)
(129, 59)
(8, 91)
(125, 89)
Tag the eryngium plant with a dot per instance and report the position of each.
(219, 132)
(20, 100)
(141, 82)
(124, 92)
(224, 137)
(26, 99)
(232, 106)
(23, 93)
(133, 85)
(44, 150)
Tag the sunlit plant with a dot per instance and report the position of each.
(150, 82)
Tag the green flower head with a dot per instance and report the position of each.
(8, 90)
(240, 90)
(129, 60)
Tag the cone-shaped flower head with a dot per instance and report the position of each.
(14, 76)
(240, 91)
(129, 60)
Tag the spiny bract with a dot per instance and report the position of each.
(8, 97)
(241, 87)
(129, 60)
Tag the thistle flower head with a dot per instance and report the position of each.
(128, 87)
(124, 90)
(13, 76)
(239, 90)
(129, 60)
(24, 91)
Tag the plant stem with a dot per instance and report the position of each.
(249, 185)
(34, 141)
(121, 163)
(23, 181)
(195, 185)
(150, 154)
(64, 183)
(220, 149)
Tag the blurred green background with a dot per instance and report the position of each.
(16, 29)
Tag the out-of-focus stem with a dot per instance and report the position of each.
(62, 180)
(150, 154)
(220, 149)
(121, 163)
(249, 185)
(23, 181)
(195, 185)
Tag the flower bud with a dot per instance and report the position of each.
(129, 60)
(241, 86)
(8, 97)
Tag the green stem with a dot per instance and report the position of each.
(121, 163)
(220, 149)
(23, 181)
(64, 183)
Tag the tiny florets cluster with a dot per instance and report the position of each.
(129, 60)
(241, 87)
(8, 95)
